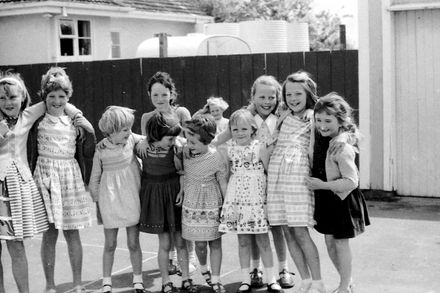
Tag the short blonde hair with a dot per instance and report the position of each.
(8, 79)
(115, 118)
(245, 115)
(218, 102)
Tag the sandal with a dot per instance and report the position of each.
(286, 279)
(107, 288)
(169, 288)
(138, 290)
(188, 286)
(274, 288)
(218, 288)
(256, 278)
(207, 276)
(247, 288)
(79, 289)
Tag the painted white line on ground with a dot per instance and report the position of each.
(228, 273)
(113, 273)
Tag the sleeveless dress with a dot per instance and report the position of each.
(289, 201)
(203, 199)
(115, 183)
(159, 189)
(244, 207)
(58, 175)
(341, 218)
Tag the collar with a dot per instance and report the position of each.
(55, 119)
(271, 122)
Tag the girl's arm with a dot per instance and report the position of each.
(265, 152)
(144, 120)
(179, 199)
(349, 177)
(32, 113)
(222, 173)
(4, 130)
(222, 137)
(95, 176)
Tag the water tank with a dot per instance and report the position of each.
(298, 37)
(222, 28)
(265, 36)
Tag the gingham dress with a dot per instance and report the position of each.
(58, 176)
(289, 201)
(203, 199)
(244, 207)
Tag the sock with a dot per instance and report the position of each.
(173, 255)
(255, 264)
(138, 279)
(282, 265)
(192, 256)
(215, 279)
(204, 268)
(270, 277)
(245, 275)
(106, 281)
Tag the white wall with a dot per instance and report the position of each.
(21, 43)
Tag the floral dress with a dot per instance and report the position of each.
(244, 207)
(203, 199)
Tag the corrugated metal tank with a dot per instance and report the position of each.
(298, 37)
(265, 36)
(223, 28)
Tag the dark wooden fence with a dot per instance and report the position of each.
(98, 84)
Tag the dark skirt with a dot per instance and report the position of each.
(159, 212)
(341, 218)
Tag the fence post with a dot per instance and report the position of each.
(163, 44)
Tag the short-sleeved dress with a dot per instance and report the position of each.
(115, 183)
(289, 201)
(58, 175)
(203, 199)
(341, 218)
(159, 189)
(244, 207)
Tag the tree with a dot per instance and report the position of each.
(323, 28)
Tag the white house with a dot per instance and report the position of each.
(399, 95)
(83, 30)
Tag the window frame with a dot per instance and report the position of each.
(76, 39)
(114, 45)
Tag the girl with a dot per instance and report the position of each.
(244, 208)
(216, 106)
(22, 209)
(340, 212)
(289, 201)
(162, 91)
(265, 99)
(204, 186)
(115, 185)
(161, 196)
(56, 155)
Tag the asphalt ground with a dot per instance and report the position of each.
(399, 253)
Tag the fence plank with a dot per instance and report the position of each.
(236, 98)
(310, 65)
(272, 64)
(284, 68)
(338, 72)
(223, 81)
(297, 61)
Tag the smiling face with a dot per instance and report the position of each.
(216, 112)
(194, 144)
(241, 132)
(11, 100)
(264, 99)
(56, 102)
(160, 97)
(327, 125)
(120, 137)
(296, 97)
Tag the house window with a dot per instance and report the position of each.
(75, 38)
(116, 45)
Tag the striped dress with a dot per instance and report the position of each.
(289, 201)
(22, 212)
(58, 175)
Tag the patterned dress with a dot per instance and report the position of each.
(244, 208)
(22, 212)
(203, 199)
(289, 201)
(58, 175)
(115, 183)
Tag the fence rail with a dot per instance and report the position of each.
(98, 84)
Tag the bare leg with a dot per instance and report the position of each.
(244, 246)
(309, 250)
(216, 255)
(202, 252)
(344, 260)
(182, 254)
(134, 248)
(162, 256)
(19, 264)
(296, 254)
(108, 256)
(48, 252)
(74, 246)
(279, 243)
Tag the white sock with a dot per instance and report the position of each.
(204, 268)
(215, 279)
(245, 275)
(173, 255)
(282, 265)
(106, 281)
(270, 277)
(137, 279)
(256, 264)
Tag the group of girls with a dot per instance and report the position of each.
(192, 185)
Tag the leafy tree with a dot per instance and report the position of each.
(323, 28)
